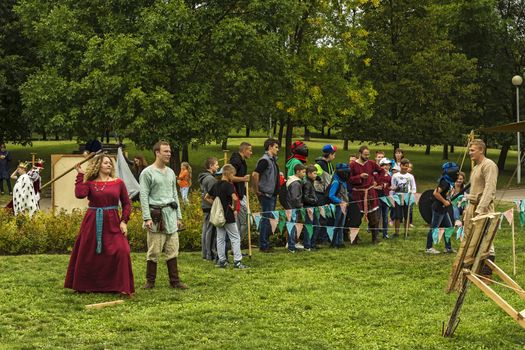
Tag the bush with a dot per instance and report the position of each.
(48, 233)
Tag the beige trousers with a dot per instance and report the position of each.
(159, 242)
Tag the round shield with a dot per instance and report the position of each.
(425, 205)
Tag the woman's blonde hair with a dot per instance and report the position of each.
(93, 168)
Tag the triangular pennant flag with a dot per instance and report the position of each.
(298, 229)
(330, 232)
(273, 224)
(328, 211)
(441, 231)
(288, 214)
(458, 223)
(509, 215)
(316, 213)
(290, 226)
(294, 215)
(416, 197)
(449, 231)
(321, 212)
(522, 218)
(460, 233)
(501, 220)
(275, 214)
(435, 235)
(257, 218)
(517, 202)
(343, 207)
(303, 213)
(332, 209)
(522, 205)
(392, 201)
(309, 230)
(386, 200)
(354, 231)
(310, 212)
(397, 198)
(282, 221)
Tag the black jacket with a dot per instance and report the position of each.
(309, 197)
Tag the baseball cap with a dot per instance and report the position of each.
(329, 148)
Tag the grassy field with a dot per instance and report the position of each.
(363, 297)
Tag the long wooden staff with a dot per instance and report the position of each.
(248, 214)
(513, 246)
(407, 223)
(91, 156)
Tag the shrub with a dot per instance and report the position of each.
(48, 233)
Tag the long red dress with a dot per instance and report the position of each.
(109, 271)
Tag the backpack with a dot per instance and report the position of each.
(217, 217)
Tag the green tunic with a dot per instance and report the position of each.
(159, 187)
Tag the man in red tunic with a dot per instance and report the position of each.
(363, 172)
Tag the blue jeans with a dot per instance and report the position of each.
(267, 205)
(384, 215)
(437, 220)
(339, 223)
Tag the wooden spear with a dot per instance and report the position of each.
(89, 157)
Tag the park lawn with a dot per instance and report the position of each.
(427, 168)
(389, 296)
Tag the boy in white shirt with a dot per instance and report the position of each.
(404, 188)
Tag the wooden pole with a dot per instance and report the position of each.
(225, 155)
(407, 223)
(248, 214)
(513, 245)
(92, 155)
(106, 304)
(33, 159)
(452, 324)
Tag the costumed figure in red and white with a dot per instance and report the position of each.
(24, 199)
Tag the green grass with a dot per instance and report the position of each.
(389, 296)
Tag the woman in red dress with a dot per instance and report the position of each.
(100, 261)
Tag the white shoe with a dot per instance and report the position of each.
(432, 251)
(299, 246)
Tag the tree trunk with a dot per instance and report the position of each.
(288, 140)
(322, 130)
(224, 144)
(306, 134)
(175, 160)
(328, 132)
(185, 153)
(396, 146)
(503, 156)
(281, 131)
(451, 148)
(275, 128)
(345, 144)
(44, 135)
(247, 131)
(57, 137)
(445, 151)
(427, 150)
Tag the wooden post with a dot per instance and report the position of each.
(452, 324)
(407, 223)
(225, 155)
(513, 245)
(33, 159)
(248, 214)
(102, 305)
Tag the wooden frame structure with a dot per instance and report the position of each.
(472, 255)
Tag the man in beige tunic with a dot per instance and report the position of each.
(483, 181)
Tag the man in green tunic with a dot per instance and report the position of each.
(161, 214)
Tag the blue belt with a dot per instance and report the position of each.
(100, 223)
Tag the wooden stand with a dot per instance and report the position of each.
(248, 221)
(472, 255)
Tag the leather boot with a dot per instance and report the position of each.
(173, 274)
(151, 274)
